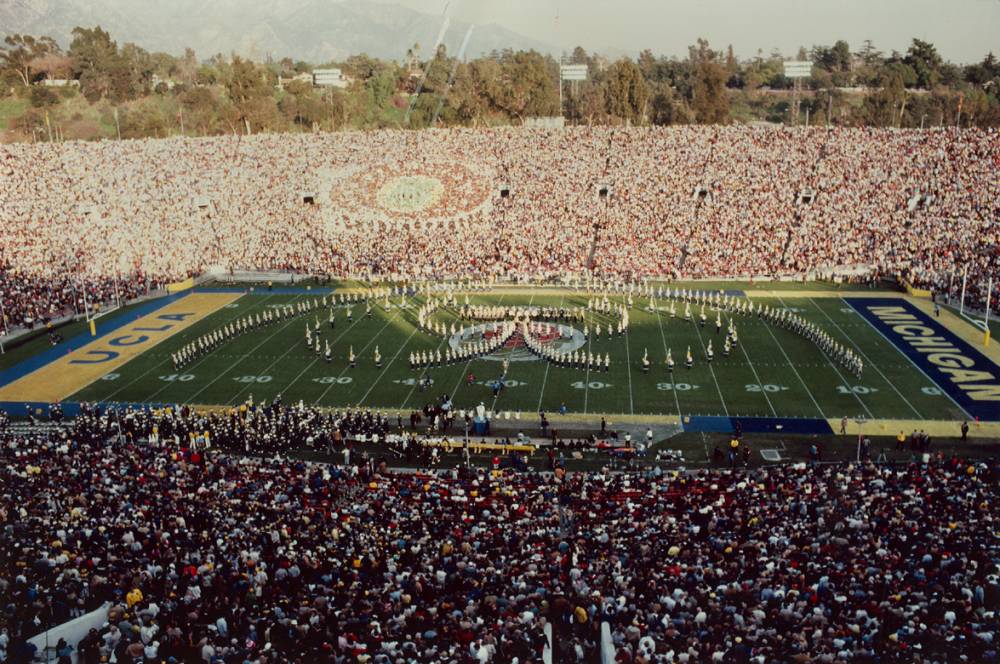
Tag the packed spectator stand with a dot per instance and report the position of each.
(211, 544)
(206, 555)
(625, 203)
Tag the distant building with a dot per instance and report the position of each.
(156, 80)
(61, 83)
(329, 78)
(545, 122)
(304, 77)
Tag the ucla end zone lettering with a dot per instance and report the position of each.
(73, 371)
(131, 338)
(961, 371)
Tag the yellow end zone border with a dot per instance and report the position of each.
(76, 370)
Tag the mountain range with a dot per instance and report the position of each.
(316, 31)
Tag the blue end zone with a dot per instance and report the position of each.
(799, 425)
(959, 370)
(104, 327)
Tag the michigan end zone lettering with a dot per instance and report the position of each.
(75, 370)
(964, 373)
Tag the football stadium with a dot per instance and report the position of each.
(508, 356)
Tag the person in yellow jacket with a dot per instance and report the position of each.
(133, 597)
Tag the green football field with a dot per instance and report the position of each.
(771, 373)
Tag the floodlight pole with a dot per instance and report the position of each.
(3, 320)
(965, 275)
(861, 423)
(989, 293)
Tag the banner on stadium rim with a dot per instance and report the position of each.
(179, 286)
(962, 372)
(916, 292)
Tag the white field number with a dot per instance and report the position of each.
(680, 387)
(767, 387)
(855, 389)
(252, 379)
(593, 385)
(111, 376)
(335, 380)
(402, 381)
(931, 391)
(177, 378)
(506, 383)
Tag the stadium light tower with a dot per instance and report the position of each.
(797, 70)
(570, 73)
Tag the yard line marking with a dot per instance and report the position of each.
(237, 362)
(423, 373)
(590, 336)
(704, 352)
(493, 406)
(182, 336)
(756, 376)
(862, 353)
(388, 364)
(314, 360)
(548, 364)
(797, 375)
(628, 359)
(663, 337)
(370, 342)
(468, 363)
(833, 366)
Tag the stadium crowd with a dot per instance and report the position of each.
(208, 556)
(682, 202)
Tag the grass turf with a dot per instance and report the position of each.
(771, 373)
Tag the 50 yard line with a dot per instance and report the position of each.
(548, 364)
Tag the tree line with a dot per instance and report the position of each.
(109, 90)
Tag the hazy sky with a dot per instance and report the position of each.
(963, 30)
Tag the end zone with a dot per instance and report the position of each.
(962, 372)
(75, 370)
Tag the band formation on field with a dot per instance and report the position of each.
(597, 348)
